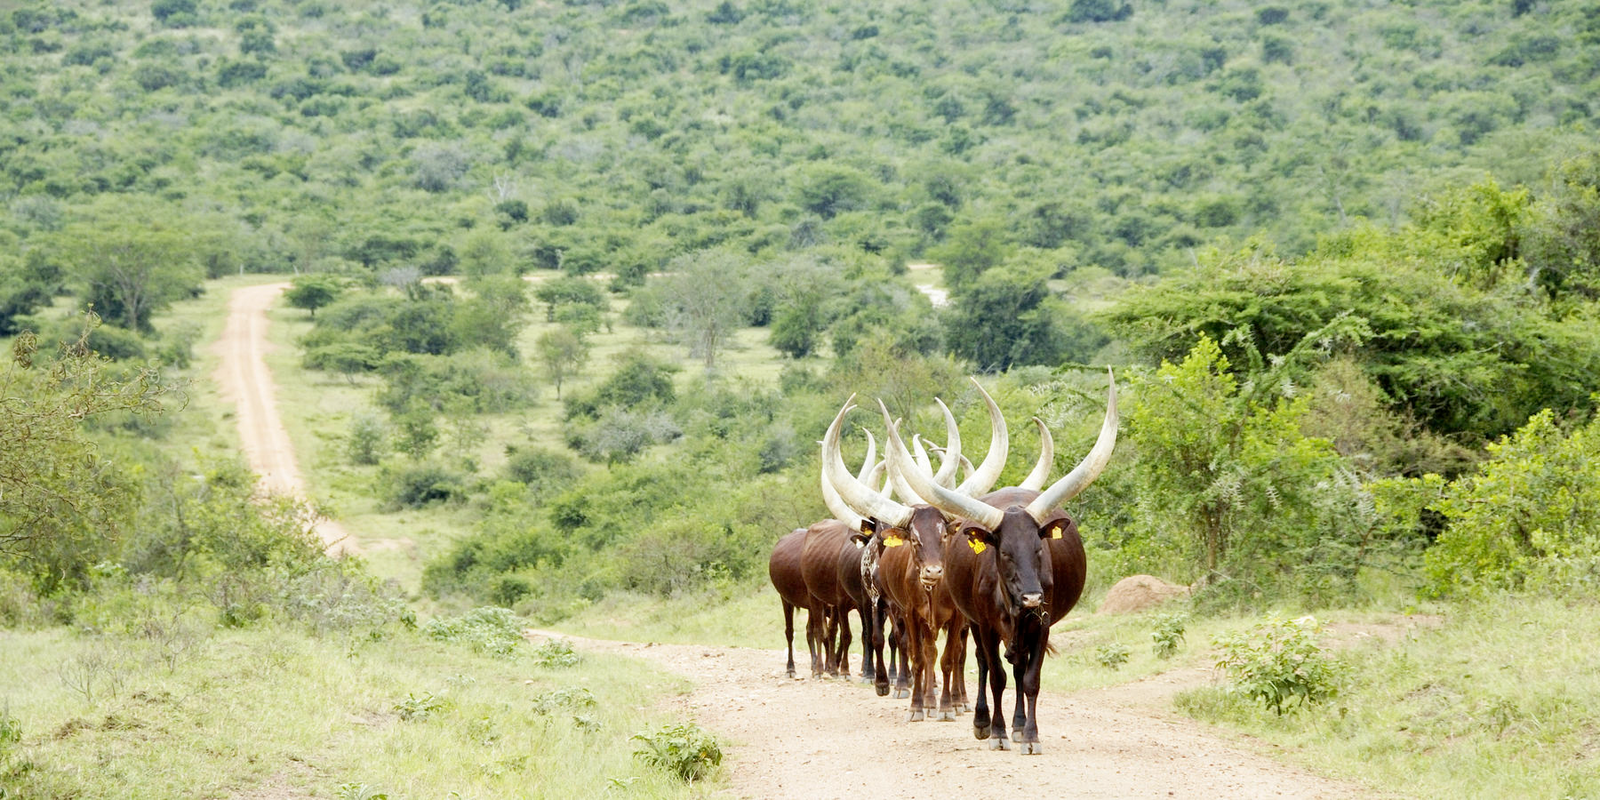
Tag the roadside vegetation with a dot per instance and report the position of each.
(564, 326)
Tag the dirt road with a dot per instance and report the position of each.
(247, 383)
(837, 739)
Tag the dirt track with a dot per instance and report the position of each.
(837, 739)
(247, 383)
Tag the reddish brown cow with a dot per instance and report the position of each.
(1022, 571)
(784, 569)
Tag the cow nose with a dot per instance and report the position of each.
(1032, 599)
(931, 575)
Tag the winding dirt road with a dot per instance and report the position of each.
(247, 383)
(837, 739)
(834, 739)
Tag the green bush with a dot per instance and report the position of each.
(1168, 634)
(1279, 662)
(555, 653)
(1112, 656)
(418, 485)
(368, 439)
(488, 630)
(685, 750)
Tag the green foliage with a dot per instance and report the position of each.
(312, 292)
(638, 381)
(418, 485)
(1168, 635)
(1530, 517)
(1279, 663)
(556, 653)
(683, 749)
(544, 472)
(1112, 656)
(66, 506)
(368, 439)
(488, 630)
(1004, 318)
(420, 709)
(563, 352)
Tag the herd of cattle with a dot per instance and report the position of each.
(924, 554)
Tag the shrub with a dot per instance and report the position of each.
(417, 485)
(685, 750)
(419, 709)
(488, 630)
(1169, 633)
(1278, 662)
(544, 472)
(368, 439)
(1112, 656)
(555, 653)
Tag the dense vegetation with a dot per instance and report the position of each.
(1345, 261)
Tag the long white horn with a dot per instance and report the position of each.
(1088, 469)
(999, 447)
(1047, 457)
(871, 459)
(856, 495)
(946, 500)
(836, 505)
(921, 453)
(946, 476)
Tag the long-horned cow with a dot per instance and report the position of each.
(1017, 568)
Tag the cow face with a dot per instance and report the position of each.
(1020, 556)
(925, 532)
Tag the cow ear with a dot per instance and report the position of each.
(868, 527)
(860, 539)
(978, 537)
(1054, 530)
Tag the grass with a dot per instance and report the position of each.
(252, 712)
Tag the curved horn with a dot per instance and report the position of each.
(966, 463)
(1088, 469)
(946, 500)
(999, 447)
(866, 463)
(901, 489)
(921, 454)
(857, 496)
(836, 505)
(880, 472)
(1047, 457)
(946, 476)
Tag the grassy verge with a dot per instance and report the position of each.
(272, 712)
(1499, 700)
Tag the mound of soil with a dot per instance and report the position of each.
(1137, 593)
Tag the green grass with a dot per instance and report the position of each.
(248, 711)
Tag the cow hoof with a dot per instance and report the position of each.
(883, 691)
(1032, 749)
(980, 733)
(966, 708)
(901, 694)
(947, 716)
(999, 744)
(915, 716)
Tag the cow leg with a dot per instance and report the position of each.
(930, 666)
(919, 665)
(788, 632)
(955, 665)
(947, 665)
(880, 670)
(1019, 670)
(815, 627)
(900, 669)
(842, 663)
(990, 652)
(1028, 689)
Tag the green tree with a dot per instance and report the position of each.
(129, 268)
(1005, 318)
(64, 505)
(563, 353)
(567, 290)
(312, 292)
(706, 295)
(971, 248)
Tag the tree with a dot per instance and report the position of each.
(563, 353)
(971, 248)
(706, 297)
(129, 268)
(63, 506)
(312, 292)
(1004, 319)
(570, 290)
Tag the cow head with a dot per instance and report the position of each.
(1016, 533)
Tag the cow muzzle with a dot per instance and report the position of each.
(1032, 599)
(932, 575)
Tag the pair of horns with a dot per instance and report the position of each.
(957, 504)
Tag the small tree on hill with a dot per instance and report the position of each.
(312, 292)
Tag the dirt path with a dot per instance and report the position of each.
(247, 383)
(836, 739)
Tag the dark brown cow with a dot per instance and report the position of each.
(911, 563)
(784, 569)
(1022, 571)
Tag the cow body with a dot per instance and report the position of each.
(783, 567)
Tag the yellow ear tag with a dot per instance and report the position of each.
(1056, 534)
(977, 546)
(893, 541)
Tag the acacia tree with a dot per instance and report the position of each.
(312, 292)
(706, 299)
(563, 353)
(130, 268)
(63, 506)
